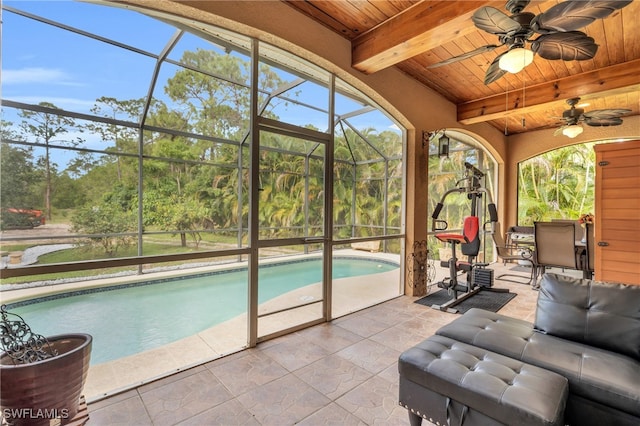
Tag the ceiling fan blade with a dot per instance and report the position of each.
(601, 122)
(600, 114)
(494, 72)
(479, 50)
(571, 15)
(571, 46)
(493, 21)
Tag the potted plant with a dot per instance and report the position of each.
(41, 379)
(584, 219)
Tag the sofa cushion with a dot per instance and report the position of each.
(595, 374)
(600, 314)
(495, 332)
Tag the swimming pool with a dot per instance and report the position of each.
(143, 316)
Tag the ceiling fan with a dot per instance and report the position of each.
(558, 38)
(573, 117)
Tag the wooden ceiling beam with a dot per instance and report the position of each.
(415, 30)
(612, 80)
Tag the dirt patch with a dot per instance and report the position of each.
(42, 234)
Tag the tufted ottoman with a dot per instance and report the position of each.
(451, 383)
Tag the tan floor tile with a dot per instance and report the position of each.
(112, 400)
(330, 337)
(362, 325)
(375, 402)
(398, 338)
(421, 326)
(247, 372)
(228, 413)
(333, 375)
(293, 355)
(390, 373)
(232, 357)
(283, 402)
(126, 412)
(436, 315)
(372, 356)
(170, 379)
(332, 415)
(184, 398)
(387, 315)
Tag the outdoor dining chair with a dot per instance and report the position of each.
(555, 245)
(508, 253)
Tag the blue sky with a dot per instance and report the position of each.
(44, 63)
(40, 62)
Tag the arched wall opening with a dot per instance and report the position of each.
(558, 184)
(527, 145)
(446, 169)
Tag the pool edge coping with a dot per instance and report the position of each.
(105, 284)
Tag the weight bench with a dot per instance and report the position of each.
(469, 245)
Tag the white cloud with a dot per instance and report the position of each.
(37, 76)
(69, 104)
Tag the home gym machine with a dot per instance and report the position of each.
(468, 240)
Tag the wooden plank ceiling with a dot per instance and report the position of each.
(411, 35)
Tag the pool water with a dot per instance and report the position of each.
(138, 318)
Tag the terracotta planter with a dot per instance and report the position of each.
(36, 393)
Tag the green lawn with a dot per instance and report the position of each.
(15, 247)
(88, 253)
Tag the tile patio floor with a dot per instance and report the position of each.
(340, 373)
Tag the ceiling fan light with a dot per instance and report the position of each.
(515, 60)
(572, 131)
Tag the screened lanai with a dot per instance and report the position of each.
(183, 151)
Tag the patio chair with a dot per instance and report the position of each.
(555, 245)
(509, 253)
(516, 233)
(576, 224)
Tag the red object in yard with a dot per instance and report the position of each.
(35, 217)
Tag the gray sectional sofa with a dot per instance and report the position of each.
(486, 368)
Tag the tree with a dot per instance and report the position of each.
(18, 182)
(187, 215)
(18, 177)
(102, 221)
(46, 128)
(123, 139)
(558, 184)
(214, 106)
(69, 192)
